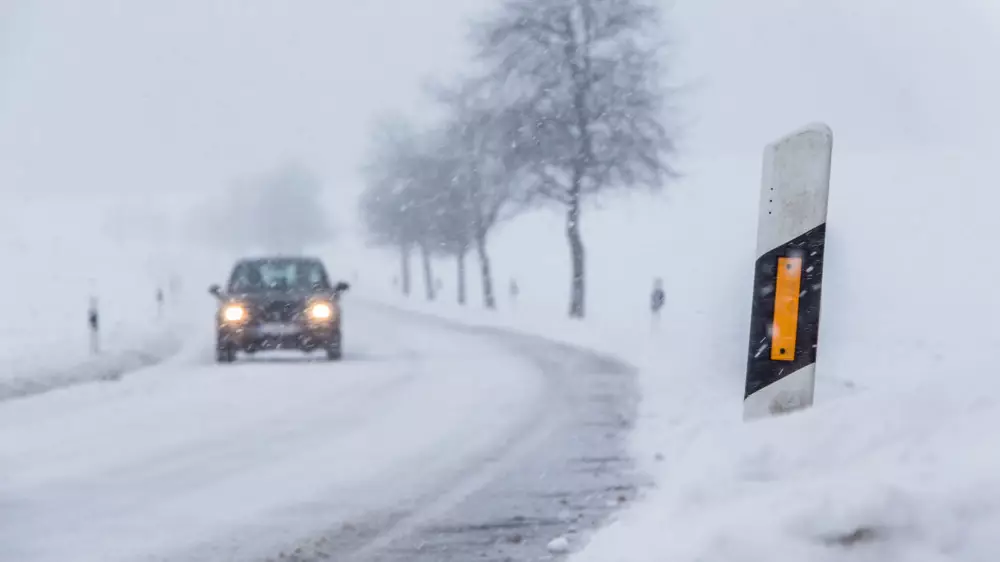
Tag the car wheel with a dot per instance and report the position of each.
(334, 350)
(225, 353)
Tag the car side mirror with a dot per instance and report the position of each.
(215, 291)
(341, 287)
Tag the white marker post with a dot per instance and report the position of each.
(93, 323)
(791, 234)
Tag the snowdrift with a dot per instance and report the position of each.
(893, 463)
(57, 257)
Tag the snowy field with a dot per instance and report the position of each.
(891, 463)
(58, 258)
(896, 461)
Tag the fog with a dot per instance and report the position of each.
(118, 101)
(186, 96)
(883, 73)
(280, 211)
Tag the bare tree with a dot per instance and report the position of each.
(407, 203)
(477, 137)
(380, 212)
(444, 206)
(584, 76)
(428, 178)
(389, 208)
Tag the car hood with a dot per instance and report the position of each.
(279, 296)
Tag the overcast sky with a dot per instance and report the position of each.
(134, 96)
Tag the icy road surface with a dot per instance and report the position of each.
(428, 442)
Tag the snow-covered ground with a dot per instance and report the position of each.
(424, 436)
(889, 465)
(57, 259)
(894, 462)
(889, 460)
(897, 460)
(192, 460)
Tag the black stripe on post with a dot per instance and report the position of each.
(762, 371)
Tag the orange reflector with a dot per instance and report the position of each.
(786, 309)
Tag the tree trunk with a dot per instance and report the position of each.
(461, 277)
(577, 301)
(404, 267)
(425, 258)
(489, 301)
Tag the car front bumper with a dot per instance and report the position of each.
(262, 337)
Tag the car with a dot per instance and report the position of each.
(277, 303)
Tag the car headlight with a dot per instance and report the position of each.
(234, 313)
(321, 311)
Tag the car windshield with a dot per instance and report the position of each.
(278, 275)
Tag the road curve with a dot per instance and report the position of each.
(429, 442)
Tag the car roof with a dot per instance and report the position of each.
(259, 259)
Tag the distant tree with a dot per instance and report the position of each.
(379, 212)
(387, 206)
(455, 233)
(428, 180)
(584, 77)
(477, 137)
(406, 202)
(443, 210)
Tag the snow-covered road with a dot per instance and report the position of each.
(424, 433)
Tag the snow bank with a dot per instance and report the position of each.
(890, 464)
(57, 255)
(898, 474)
(895, 462)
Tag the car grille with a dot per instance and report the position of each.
(281, 311)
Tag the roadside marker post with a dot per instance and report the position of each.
(788, 276)
(93, 322)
